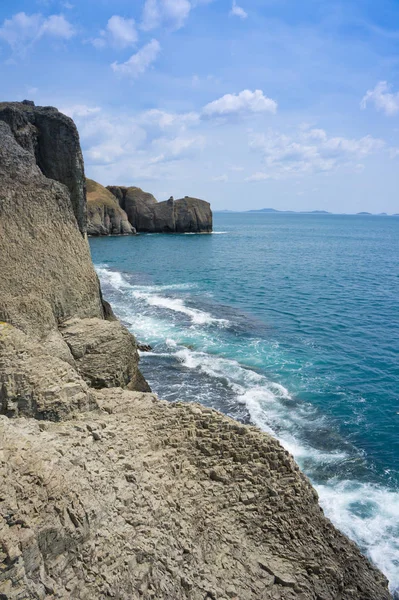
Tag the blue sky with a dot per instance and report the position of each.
(248, 104)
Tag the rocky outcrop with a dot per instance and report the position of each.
(104, 215)
(147, 499)
(46, 275)
(187, 215)
(110, 493)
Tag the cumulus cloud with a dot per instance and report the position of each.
(149, 145)
(170, 13)
(244, 102)
(221, 178)
(382, 98)
(22, 30)
(119, 32)
(138, 63)
(238, 11)
(311, 151)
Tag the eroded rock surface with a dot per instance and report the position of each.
(146, 499)
(187, 215)
(105, 216)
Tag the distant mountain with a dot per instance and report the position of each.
(363, 213)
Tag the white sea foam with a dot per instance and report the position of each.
(377, 532)
(198, 317)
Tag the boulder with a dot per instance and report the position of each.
(105, 353)
(104, 214)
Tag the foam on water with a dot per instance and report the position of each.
(198, 317)
(368, 513)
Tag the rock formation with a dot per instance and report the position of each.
(107, 492)
(147, 499)
(187, 215)
(47, 276)
(104, 215)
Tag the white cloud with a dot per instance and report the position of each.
(80, 110)
(119, 32)
(310, 151)
(149, 145)
(164, 120)
(169, 13)
(138, 63)
(57, 26)
(178, 147)
(382, 99)
(258, 176)
(22, 30)
(244, 102)
(237, 11)
(221, 178)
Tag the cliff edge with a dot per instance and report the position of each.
(105, 491)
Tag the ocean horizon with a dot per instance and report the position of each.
(289, 322)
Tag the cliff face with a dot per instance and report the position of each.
(187, 215)
(104, 215)
(108, 492)
(47, 276)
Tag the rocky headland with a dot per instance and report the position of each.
(106, 491)
(140, 211)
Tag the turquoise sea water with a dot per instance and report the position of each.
(290, 322)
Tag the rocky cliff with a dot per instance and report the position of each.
(186, 215)
(47, 276)
(107, 492)
(104, 214)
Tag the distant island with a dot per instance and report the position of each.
(304, 212)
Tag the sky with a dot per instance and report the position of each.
(244, 103)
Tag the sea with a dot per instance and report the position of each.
(289, 322)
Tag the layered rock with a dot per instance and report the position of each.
(147, 499)
(186, 215)
(104, 215)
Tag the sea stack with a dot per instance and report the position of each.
(105, 490)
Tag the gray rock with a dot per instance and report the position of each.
(104, 351)
(186, 215)
(53, 139)
(34, 383)
(118, 503)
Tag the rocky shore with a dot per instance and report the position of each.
(106, 491)
(141, 212)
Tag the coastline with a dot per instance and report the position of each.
(109, 491)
